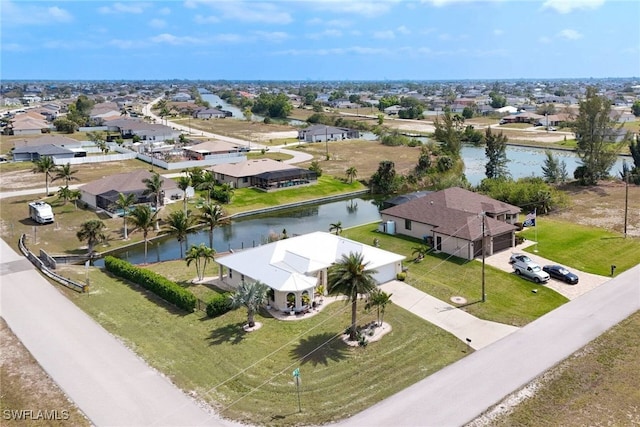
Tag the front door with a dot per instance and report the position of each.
(438, 243)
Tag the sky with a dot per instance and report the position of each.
(314, 40)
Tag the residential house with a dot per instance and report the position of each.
(129, 127)
(58, 140)
(32, 153)
(103, 193)
(30, 123)
(522, 117)
(181, 97)
(265, 174)
(208, 148)
(210, 113)
(322, 133)
(293, 268)
(455, 221)
(393, 110)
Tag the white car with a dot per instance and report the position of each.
(531, 271)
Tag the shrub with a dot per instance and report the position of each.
(218, 305)
(159, 285)
(401, 276)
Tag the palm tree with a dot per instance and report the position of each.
(64, 193)
(47, 166)
(124, 203)
(92, 232)
(143, 219)
(226, 193)
(178, 225)
(75, 195)
(65, 172)
(420, 251)
(154, 188)
(195, 174)
(251, 295)
(208, 183)
(201, 254)
(352, 172)
(350, 277)
(212, 215)
(379, 299)
(337, 227)
(184, 182)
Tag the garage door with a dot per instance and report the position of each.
(501, 242)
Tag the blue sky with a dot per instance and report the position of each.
(319, 40)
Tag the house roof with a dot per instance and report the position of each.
(291, 264)
(250, 167)
(323, 130)
(215, 146)
(42, 150)
(125, 183)
(59, 140)
(455, 212)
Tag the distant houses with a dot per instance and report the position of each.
(322, 133)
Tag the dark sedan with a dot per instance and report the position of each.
(561, 273)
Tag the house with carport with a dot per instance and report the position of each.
(455, 221)
(264, 174)
(293, 268)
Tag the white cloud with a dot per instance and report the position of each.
(165, 11)
(570, 34)
(354, 50)
(166, 38)
(13, 47)
(273, 36)
(498, 32)
(366, 8)
(544, 39)
(566, 6)
(251, 12)
(14, 14)
(441, 3)
(130, 7)
(199, 19)
(403, 30)
(326, 33)
(385, 35)
(126, 44)
(157, 23)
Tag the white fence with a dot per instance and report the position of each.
(95, 159)
(214, 160)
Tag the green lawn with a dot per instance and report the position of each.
(509, 299)
(247, 376)
(588, 249)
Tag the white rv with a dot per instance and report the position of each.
(41, 212)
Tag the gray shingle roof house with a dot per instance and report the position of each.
(32, 153)
(102, 193)
(321, 133)
(451, 221)
(265, 174)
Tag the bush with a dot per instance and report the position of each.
(218, 305)
(401, 276)
(159, 285)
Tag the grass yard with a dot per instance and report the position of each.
(247, 376)
(509, 298)
(589, 249)
(597, 385)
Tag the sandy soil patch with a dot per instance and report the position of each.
(266, 136)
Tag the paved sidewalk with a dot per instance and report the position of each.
(458, 322)
(108, 382)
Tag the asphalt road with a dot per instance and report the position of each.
(460, 392)
(108, 382)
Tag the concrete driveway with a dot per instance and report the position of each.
(587, 281)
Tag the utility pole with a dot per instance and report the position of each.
(484, 296)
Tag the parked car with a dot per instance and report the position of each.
(561, 273)
(519, 258)
(531, 271)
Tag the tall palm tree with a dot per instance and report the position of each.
(212, 215)
(47, 166)
(379, 299)
(201, 255)
(195, 174)
(154, 188)
(92, 232)
(350, 277)
(124, 203)
(65, 172)
(74, 196)
(184, 182)
(143, 219)
(251, 295)
(208, 183)
(351, 172)
(337, 227)
(178, 225)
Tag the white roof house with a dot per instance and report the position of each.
(298, 264)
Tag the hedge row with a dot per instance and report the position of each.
(159, 285)
(219, 305)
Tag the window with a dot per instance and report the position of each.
(407, 224)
